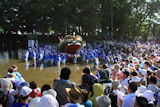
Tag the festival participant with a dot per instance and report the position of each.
(75, 58)
(61, 84)
(83, 58)
(96, 64)
(26, 56)
(87, 59)
(63, 59)
(58, 60)
(34, 58)
(41, 55)
(52, 58)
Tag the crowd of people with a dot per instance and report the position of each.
(49, 55)
(129, 77)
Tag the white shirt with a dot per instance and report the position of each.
(141, 89)
(124, 83)
(153, 88)
(129, 100)
(120, 95)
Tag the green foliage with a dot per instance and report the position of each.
(85, 17)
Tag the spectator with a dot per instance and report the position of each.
(61, 84)
(45, 87)
(141, 102)
(152, 84)
(86, 102)
(98, 90)
(48, 101)
(158, 78)
(116, 89)
(85, 82)
(36, 91)
(24, 93)
(129, 100)
(117, 74)
(124, 82)
(35, 101)
(2, 96)
(75, 97)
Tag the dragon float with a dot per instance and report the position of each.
(71, 44)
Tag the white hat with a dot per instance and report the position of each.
(135, 79)
(34, 102)
(6, 84)
(143, 72)
(149, 95)
(49, 101)
(25, 91)
(51, 92)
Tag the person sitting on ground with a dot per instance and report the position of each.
(74, 97)
(61, 84)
